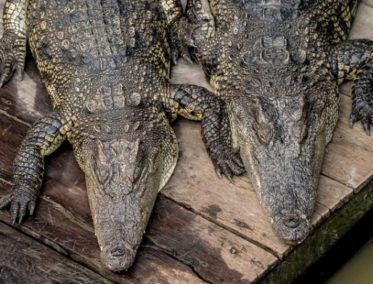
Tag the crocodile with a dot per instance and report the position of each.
(106, 67)
(277, 65)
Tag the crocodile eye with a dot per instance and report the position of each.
(264, 132)
(239, 112)
(152, 158)
(103, 174)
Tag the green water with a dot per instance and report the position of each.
(358, 270)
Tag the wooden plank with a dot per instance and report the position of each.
(60, 229)
(216, 254)
(362, 27)
(11, 135)
(348, 156)
(24, 260)
(26, 99)
(332, 194)
(63, 219)
(352, 137)
(368, 2)
(348, 165)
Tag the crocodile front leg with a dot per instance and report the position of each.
(13, 42)
(200, 35)
(42, 139)
(354, 60)
(173, 11)
(203, 23)
(197, 103)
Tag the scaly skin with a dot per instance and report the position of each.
(276, 65)
(13, 43)
(106, 66)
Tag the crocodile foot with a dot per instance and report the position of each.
(362, 97)
(10, 53)
(228, 163)
(362, 109)
(20, 200)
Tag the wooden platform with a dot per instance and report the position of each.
(203, 229)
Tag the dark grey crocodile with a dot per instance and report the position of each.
(106, 66)
(277, 65)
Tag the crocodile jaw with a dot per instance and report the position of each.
(282, 144)
(120, 221)
(121, 207)
(124, 174)
(286, 188)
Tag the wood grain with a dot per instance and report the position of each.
(216, 254)
(70, 235)
(22, 260)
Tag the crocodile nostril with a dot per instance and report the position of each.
(117, 252)
(292, 223)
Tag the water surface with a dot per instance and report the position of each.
(358, 270)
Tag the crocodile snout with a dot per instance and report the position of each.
(118, 258)
(291, 227)
(292, 222)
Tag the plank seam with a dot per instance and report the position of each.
(355, 190)
(6, 181)
(14, 118)
(216, 222)
(64, 211)
(61, 251)
(69, 215)
(164, 250)
(72, 263)
(72, 255)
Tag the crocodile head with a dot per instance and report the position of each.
(282, 142)
(126, 162)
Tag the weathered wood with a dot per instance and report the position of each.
(216, 254)
(26, 99)
(348, 157)
(332, 194)
(196, 186)
(368, 2)
(61, 229)
(362, 27)
(23, 260)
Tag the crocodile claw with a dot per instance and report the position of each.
(8, 58)
(362, 112)
(228, 164)
(21, 204)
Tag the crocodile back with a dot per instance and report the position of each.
(82, 46)
(274, 39)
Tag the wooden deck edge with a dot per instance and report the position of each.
(323, 238)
